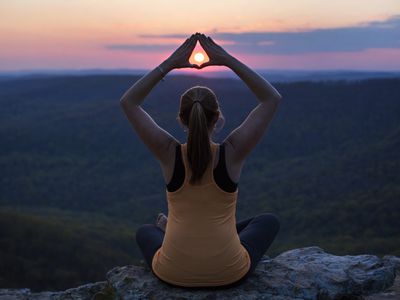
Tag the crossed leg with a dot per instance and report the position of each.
(256, 235)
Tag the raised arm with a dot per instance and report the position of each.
(245, 137)
(153, 136)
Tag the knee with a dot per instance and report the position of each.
(271, 220)
(142, 231)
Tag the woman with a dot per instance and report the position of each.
(200, 244)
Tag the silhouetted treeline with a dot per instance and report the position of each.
(328, 166)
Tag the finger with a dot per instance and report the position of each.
(188, 48)
(211, 41)
(205, 65)
(202, 41)
(185, 45)
(200, 37)
(191, 44)
(208, 40)
(189, 65)
(191, 40)
(187, 41)
(214, 43)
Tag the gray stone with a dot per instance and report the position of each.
(305, 273)
(393, 260)
(87, 291)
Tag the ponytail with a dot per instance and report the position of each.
(198, 145)
(199, 111)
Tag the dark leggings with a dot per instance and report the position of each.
(256, 235)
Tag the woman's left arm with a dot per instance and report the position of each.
(154, 137)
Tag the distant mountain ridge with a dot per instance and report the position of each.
(271, 75)
(73, 170)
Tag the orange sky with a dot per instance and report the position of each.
(74, 34)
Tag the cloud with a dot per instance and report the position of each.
(374, 34)
(141, 47)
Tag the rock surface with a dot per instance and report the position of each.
(304, 273)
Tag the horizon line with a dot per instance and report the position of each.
(55, 70)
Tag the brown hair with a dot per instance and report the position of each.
(199, 118)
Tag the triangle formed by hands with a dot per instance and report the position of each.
(198, 56)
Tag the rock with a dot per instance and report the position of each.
(393, 260)
(305, 273)
(392, 293)
(87, 291)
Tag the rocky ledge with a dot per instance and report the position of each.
(304, 273)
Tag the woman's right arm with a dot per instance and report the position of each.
(263, 90)
(245, 137)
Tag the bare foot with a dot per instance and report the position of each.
(162, 221)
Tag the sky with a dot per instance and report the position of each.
(264, 34)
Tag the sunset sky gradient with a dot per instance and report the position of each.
(285, 34)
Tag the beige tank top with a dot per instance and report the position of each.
(201, 246)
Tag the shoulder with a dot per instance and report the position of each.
(169, 155)
(230, 155)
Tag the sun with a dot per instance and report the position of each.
(199, 57)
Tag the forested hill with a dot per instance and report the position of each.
(73, 171)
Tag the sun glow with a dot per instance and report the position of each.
(199, 57)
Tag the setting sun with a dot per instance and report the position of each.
(199, 57)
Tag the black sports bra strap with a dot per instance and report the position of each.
(178, 176)
(220, 173)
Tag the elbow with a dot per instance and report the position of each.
(123, 102)
(127, 104)
(277, 97)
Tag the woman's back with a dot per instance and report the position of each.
(201, 246)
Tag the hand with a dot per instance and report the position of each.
(180, 58)
(218, 56)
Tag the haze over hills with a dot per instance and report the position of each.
(76, 180)
(272, 75)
